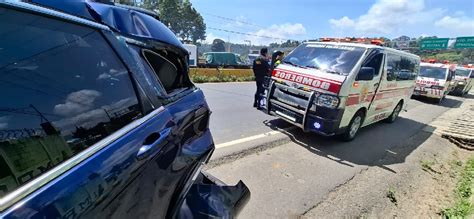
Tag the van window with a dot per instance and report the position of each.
(63, 89)
(375, 62)
(462, 72)
(433, 72)
(401, 68)
(170, 76)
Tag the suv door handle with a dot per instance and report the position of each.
(376, 84)
(153, 143)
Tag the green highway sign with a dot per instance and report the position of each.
(464, 42)
(438, 43)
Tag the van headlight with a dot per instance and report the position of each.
(328, 101)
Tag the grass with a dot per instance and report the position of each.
(391, 196)
(220, 78)
(427, 165)
(464, 189)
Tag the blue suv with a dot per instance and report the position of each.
(99, 119)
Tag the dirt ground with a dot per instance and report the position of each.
(418, 187)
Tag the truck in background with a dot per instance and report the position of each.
(193, 57)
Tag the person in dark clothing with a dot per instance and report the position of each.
(261, 69)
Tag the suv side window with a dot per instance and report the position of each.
(63, 90)
(166, 67)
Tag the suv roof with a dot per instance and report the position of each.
(54, 13)
(139, 22)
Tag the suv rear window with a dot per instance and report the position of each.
(63, 89)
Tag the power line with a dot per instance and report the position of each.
(247, 34)
(231, 19)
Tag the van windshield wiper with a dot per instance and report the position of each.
(291, 63)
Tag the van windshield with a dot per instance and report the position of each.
(433, 72)
(336, 59)
(462, 72)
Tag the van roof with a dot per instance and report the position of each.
(367, 46)
(437, 65)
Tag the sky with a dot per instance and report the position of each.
(310, 19)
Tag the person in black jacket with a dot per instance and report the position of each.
(261, 69)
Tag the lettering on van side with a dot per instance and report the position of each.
(308, 81)
(427, 82)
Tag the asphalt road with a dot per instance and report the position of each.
(233, 116)
(290, 179)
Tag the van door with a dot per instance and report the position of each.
(369, 89)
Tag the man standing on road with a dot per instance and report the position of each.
(261, 69)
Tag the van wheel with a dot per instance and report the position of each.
(395, 113)
(354, 126)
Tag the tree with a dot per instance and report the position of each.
(170, 11)
(218, 45)
(180, 16)
(192, 26)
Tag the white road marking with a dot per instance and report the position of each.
(255, 137)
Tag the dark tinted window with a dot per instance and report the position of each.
(170, 77)
(331, 58)
(62, 90)
(401, 68)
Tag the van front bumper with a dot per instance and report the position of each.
(315, 122)
(428, 92)
(297, 107)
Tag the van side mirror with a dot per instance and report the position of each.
(366, 74)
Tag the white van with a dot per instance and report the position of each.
(463, 80)
(337, 88)
(434, 80)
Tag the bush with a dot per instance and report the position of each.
(220, 78)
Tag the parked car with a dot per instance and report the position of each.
(99, 119)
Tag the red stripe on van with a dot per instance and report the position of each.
(315, 82)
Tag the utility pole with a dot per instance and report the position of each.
(39, 113)
(250, 43)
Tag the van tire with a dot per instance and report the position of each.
(396, 111)
(354, 126)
